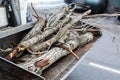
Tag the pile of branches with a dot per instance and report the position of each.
(51, 39)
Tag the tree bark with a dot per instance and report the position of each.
(39, 64)
(37, 38)
(35, 30)
(61, 32)
(41, 46)
(26, 44)
(56, 20)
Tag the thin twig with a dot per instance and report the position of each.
(86, 30)
(35, 11)
(73, 53)
(68, 49)
(102, 15)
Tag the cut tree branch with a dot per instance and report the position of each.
(56, 53)
(28, 43)
(37, 29)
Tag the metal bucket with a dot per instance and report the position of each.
(58, 71)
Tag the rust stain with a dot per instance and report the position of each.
(15, 51)
(42, 63)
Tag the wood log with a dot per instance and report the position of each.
(55, 20)
(46, 33)
(40, 46)
(61, 32)
(38, 64)
(37, 38)
(61, 45)
(25, 44)
(41, 23)
(35, 30)
(50, 20)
